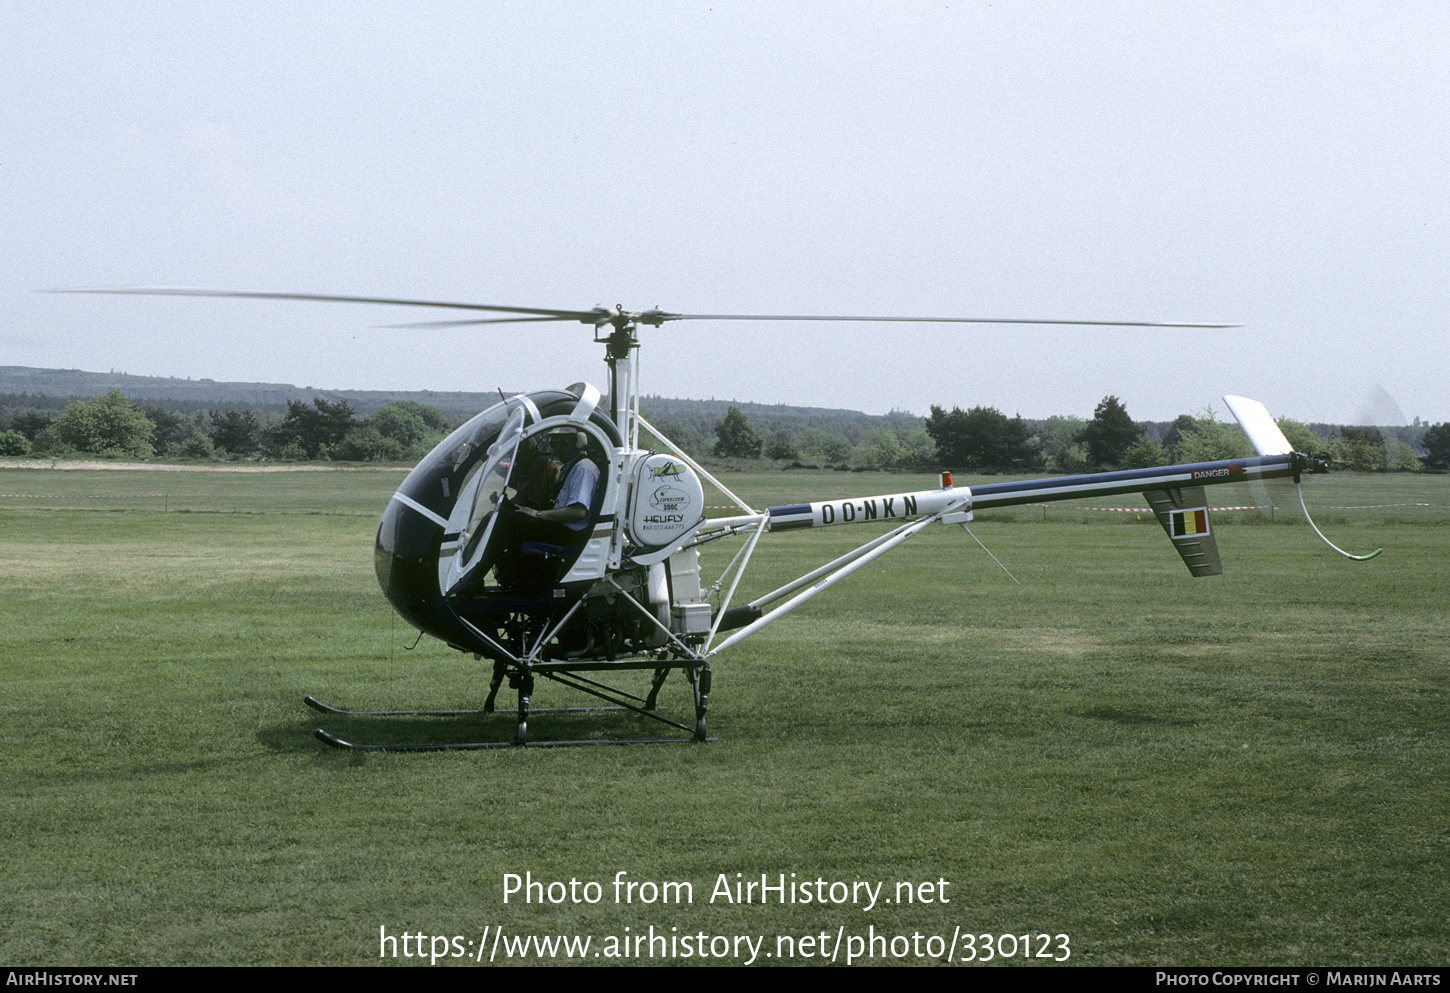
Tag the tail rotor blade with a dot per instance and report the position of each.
(1263, 433)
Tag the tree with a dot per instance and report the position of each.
(1437, 446)
(918, 450)
(1174, 434)
(1209, 440)
(31, 422)
(780, 449)
(313, 430)
(412, 425)
(171, 428)
(1400, 457)
(235, 432)
(735, 438)
(684, 436)
(1359, 449)
(105, 425)
(1146, 454)
(1300, 437)
(1110, 433)
(982, 438)
(882, 451)
(1061, 450)
(833, 448)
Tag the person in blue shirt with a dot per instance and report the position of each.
(575, 477)
(552, 505)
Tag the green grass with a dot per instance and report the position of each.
(1245, 769)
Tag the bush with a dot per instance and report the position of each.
(366, 444)
(14, 443)
(1146, 454)
(414, 426)
(198, 446)
(1208, 440)
(105, 425)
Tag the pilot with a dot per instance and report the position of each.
(538, 482)
(575, 478)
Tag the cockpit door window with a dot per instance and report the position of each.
(484, 495)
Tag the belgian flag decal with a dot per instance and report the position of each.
(1185, 523)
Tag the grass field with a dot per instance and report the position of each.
(1249, 769)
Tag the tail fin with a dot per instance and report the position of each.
(1183, 512)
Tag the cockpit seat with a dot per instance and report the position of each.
(555, 555)
(537, 563)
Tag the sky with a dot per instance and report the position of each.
(1278, 166)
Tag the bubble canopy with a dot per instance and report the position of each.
(449, 497)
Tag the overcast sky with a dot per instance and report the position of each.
(1282, 166)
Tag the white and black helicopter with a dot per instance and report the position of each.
(626, 589)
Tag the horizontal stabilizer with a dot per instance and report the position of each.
(1183, 512)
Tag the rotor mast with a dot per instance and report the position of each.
(617, 330)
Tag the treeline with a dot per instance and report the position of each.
(981, 439)
(825, 435)
(55, 388)
(985, 440)
(112, 425)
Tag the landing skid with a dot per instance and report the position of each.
(523, 681)
(331, 739)
(318, 705)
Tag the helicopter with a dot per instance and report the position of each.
(617, 583)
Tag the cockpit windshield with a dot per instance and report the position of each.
(485, 499)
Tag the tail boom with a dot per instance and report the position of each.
(1103, 484)
(905, 506)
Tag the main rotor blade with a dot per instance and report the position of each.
(587, 316)
(599, 315)
(479, 320)
(935, 320)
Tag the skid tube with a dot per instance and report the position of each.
(326, 708)
(523, 681)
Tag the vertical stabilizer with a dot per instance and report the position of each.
(1183, 512)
